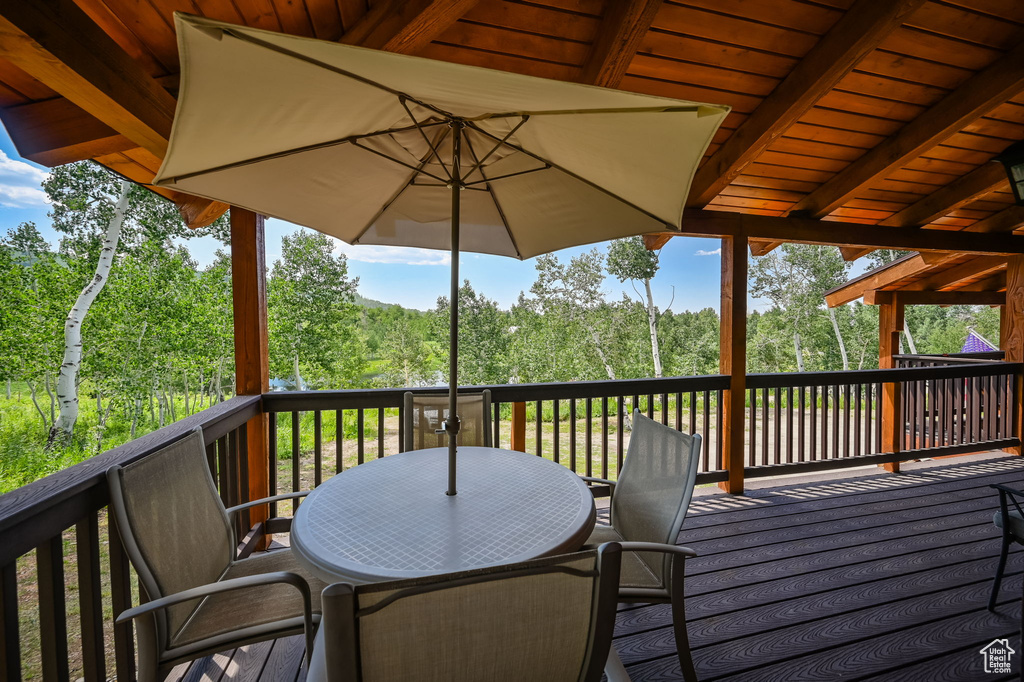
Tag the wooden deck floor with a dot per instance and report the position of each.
(870, 577)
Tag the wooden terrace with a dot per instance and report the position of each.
(859, 576)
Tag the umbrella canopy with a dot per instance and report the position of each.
(380, 148)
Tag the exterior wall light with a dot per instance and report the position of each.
(1012, 159)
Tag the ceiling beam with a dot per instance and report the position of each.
(622, 29)
(405, 26)
(761, 247)
(993, 283)
(953, 276)
(698, 223)
(1007, 220)
(59, 45)
(857, 33)
(990, 298)
(963, 190)
(653, 242)
(878, 278)
(54, 132)
(852, 253)
(975, 97)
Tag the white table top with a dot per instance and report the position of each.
(390, 518)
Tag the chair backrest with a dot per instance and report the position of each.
(549, 619)
(423, 414)
(654, 488)
(172, 524)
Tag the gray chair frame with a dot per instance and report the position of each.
(340, 662)
(154, 657)
(674, 566)
(409, 406)
(1006, 496)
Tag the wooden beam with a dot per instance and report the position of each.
(733, 359)
(989, 298)
(953, 276)
(405, 26)
(994, 282)
(55, 132)
(622, 29)
(252, 360)
(852, 253)
(198, 212)
(760, 247)
(59, 45)
(875, 280)
(1006, 220)
(653, 242)
(965, 189)
(890, 324)
(977, 96)
(857, 33)
(1012, 336)
(698, 223)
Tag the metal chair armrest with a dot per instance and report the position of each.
(592, 479)
(231, 511)
(677, 550)
(1004, 507)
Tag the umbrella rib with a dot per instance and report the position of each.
(686, 109)
(613, 195)
(394, 198)
(333, 69)
(479, 164)
(494, 198)
(289, 152)
(507, 175)
(416, 169)
(430, 146)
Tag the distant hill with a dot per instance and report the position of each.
(370, 303)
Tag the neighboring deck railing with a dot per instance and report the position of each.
(69, 574)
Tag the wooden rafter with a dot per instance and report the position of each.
(965, 189)
(623, 28)
(856, 34)
(978, 95)
(954, 276)
(851, 253)
(405, 26)
(936, 297)
(1006, 220)
(878, 278)
(761, 247)
(697, 223)
(55, 131)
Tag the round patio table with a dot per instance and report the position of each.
(390, 518)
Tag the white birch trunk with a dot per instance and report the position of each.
(653, 323)
(600, 354)
(799, 353)
(839, 338)
(910, 338)
(298, 376)
(67, 380)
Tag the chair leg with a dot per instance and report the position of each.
(682, 639)
(999, 572)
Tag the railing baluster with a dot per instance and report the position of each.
(801, 418)
(296, 456)
(539, 408)
(242, 454)
(360, 435)
(825, 395)
(789, 424)
(121, 599)
(620, 434)
(556, 418)
(650, 406)
(812, 441)
(272, 453)
(836, 407)
(752, 416)
(664, 408)
(679, 411)
(846, 421)
(707, 430)
(380, 432)
(604, 437)
(572, 434)
(90, 598)
(589, 437)
(778, 425)
(10, 641)
(318, 438)
(53, 634)
(858, 424)
(765, 426)
(339, 440)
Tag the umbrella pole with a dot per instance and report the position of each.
(452, 423)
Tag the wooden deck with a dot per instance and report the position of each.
(862, 577)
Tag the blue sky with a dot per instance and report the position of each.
(413, 278)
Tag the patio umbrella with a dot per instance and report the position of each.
(379, 148)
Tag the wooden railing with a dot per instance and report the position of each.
(63, 573)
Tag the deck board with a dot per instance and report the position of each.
(870, 577)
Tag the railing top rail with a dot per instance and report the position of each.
(882, 376)
(42, 508)
(979, 355)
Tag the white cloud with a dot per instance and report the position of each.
(702, 252)
(400, 255)
(20, 184)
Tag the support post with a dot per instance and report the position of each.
(890, 324)
(733, 358)
(1011, 339)
(252, 364)
(519, 427)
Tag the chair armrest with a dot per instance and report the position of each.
(1007, 489)
(603, 481)
(293, 579)
(231, 511)
(684, 552)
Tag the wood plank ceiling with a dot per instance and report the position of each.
(868, 112)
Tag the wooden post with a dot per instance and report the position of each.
(733, 358)
(890, 324)
(1011, 338)
(252, 368)
(519, 427)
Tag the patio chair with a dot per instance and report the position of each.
(1012, 525)
(180, 539)
(548, 619)
(648, 505)
(424, 414)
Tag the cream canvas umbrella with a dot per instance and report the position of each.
(379, 148)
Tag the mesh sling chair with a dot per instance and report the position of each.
(1011, 522)
(648, 506)
(548, 619)
(423, 415)
(180, 539)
